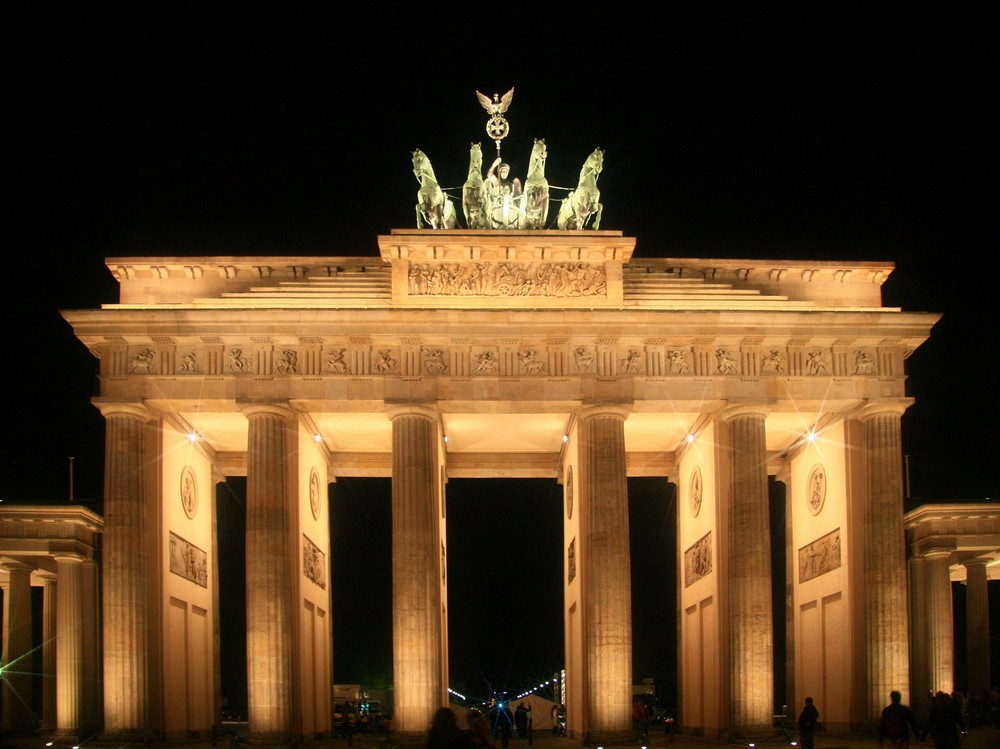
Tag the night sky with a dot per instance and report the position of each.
(845, 133)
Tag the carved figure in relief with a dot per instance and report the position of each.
(434, 209)
(189, 493)
(142, 363)
(816, 362)
(678, 362)
(583, 204)
(864, 363)
(288, 363)
(530, 364)
(475, 201)
(384, 362)
(631, 362)
(486, 363)
(535, 201)
(238, 362)
(189, 362)
(773, 362)
(434, 361)
(584, 358)
(335, 361)
(725, 363)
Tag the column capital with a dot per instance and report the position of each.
(68, 558)
(976, 562)
(592, 410)
(12, 566)
(896, 406)
(734, 410)
(936, 553)
(136, 409)
(428, 411)
(266, 408)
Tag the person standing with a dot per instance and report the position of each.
(521, 720)
(640, 720)
(444, 731)
(505, 724)
(808, 720)
(941, 723)
(897, 723)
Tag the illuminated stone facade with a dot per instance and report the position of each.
(536, 354)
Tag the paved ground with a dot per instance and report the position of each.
(983, 738)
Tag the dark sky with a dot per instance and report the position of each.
(828, 133)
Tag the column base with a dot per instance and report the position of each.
(272, 739)
(750, 735)
(610, 738)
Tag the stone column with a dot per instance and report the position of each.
(125, 574)
(49, 605)
(940, 625)
(90, 623)
(748, 550)
(885, 607)
(977, 617)
(270, 568)
(16, 656)
(605, 572)
(418, 654)
(69, 648)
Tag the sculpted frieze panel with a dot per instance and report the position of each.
(188, 561)
(864, 362)
(611, 357)
(698, 560)
(819, 557)
(507, 279)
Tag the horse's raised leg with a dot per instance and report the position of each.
(597, 218)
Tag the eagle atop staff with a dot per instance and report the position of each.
(496, 105)
(496, 126)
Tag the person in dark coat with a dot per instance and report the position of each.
(807, 723)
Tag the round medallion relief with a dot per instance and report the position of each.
(569, 492)
(694, 497)
(189, 491)
(816, 489)
(314, 493)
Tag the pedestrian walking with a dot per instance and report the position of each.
(807, 724)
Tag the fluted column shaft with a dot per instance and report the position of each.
(49, 646)
(416, 593)
(69, 647)
(90, 704)
(269, 569)
(940, 624)
(886, 613)
(16, 657)
(751, 626)
(977, 627)
(606, 569)
(125, 574)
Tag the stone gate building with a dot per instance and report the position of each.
(510, 354)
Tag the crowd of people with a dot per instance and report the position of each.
(949, 717)
(496, 726)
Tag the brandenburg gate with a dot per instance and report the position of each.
(502, 353)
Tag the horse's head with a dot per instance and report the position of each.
(422, 166)
(475, 156)
(596, 160)
(538, 151)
